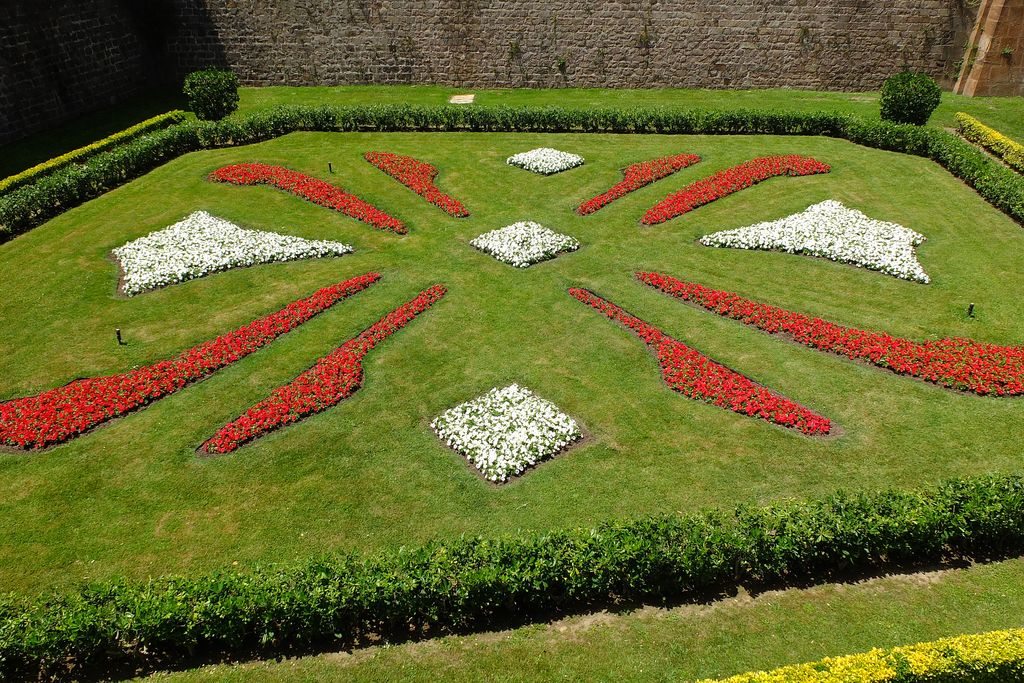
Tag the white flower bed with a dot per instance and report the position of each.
(524, 243)
(545, 160)
(833, 231)
(201, 244)
(506, 430)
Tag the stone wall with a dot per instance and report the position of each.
(820, 44)
(994, 60)
(59, 58)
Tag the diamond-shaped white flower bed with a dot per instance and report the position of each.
(833, 231)
(545, 160)
(201, 244)
(524, 243)
(506, 431)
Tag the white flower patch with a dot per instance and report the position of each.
(524, 243)
(506, 430)
(833, 231)
(545, 160)
(201, 244)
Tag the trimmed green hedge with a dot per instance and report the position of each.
(34, 204)
(82, 153)
(475, 582)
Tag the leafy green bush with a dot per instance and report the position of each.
(36, 203)
(212, 93)
(476, 582)
(909, 98)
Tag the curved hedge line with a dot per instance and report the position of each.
(1007, 149)
(82, 153)
(476, 582)
(993, 657)
(34, 204)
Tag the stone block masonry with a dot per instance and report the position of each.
(819, 44)
(994, 60)
(61, 58)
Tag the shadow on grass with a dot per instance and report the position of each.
(44, 145)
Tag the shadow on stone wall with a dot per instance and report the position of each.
(60, 59)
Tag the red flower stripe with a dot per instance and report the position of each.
(418, 176)
(694, 375)
(332, 379)
(63, 413)
(310, 188)
(637, 176)
(734, 179)
(962, 364)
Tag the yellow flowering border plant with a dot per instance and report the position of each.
(1007, 149)
(996, 656)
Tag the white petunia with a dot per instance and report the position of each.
(545, 160)
(833, 231)
(201, 244)
(506, 430)
(524, 243)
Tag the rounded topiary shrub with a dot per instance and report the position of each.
(212, 93)
(910, 98)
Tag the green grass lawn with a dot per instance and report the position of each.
(683, 643)
(133, 499)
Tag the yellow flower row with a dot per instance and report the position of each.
(1007, 149)
(994, 656)
(82, 153)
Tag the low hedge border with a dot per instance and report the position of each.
(472, 583)
(994, 657)
(36, 203)
(82, 153)
(1007, 149)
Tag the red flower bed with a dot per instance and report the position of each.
(308, 187)
(63, 413)
(637, 176)
(963, 364)
(694, 375)
(332, 379)
(730, 180)
(418, 176)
